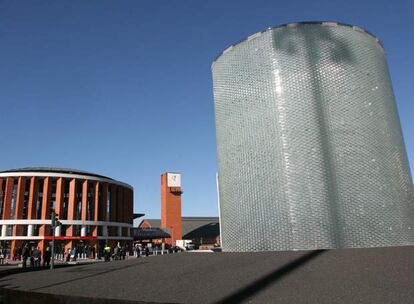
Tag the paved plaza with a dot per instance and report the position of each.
(377, 275)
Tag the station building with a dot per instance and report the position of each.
(92, 208)
(204, 232)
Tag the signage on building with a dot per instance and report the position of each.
(66, 238)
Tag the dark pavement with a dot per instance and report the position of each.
(376, 275)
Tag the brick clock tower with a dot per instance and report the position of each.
(171, 205)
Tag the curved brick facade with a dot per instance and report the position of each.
(93, 209)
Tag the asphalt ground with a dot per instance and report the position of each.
(375, 275)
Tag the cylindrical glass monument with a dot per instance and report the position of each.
(310, 149)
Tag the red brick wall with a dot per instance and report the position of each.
(171, 210)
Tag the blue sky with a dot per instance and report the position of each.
(124, 89)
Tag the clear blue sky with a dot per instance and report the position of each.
(124, 89)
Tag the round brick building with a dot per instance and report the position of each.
(92, 208)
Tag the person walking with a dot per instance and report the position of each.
(36, 257)
(146, 251)
(116, 253)
(15, 254)
(123, 252)
(46, 257)
(2, 255)
(19, 253)
(73, 254)
(32, 264)
(107, 253)
(25, 254)
(68, 255)
(138, 250)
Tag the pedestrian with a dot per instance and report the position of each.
(146, 251)
(138, 250)
(40, 256)
(107, 253)
(73, 254)
(19, 253)
(32, 264)
(116, 253)
(36, 257)
(46, 257)
(1, 255)
(15, 254)
(25, 254)
(123, 252)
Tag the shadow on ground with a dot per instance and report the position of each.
(257, 286)
(10, 294)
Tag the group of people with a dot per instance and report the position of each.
(119, 252)
(31, 255)
(3, 255)
(71, 254)
(150, 248)
(35, 257)
(140, 250)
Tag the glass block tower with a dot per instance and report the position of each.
(310, 149)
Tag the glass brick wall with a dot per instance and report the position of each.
(310, 150)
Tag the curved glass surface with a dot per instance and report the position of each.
(310, 149)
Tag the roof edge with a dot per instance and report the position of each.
(296, 24)
(51, 171)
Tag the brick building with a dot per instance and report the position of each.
(204, 231)
(92, 208)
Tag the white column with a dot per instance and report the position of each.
(4, 230)
(129, 231)
(104, 230)
(30, 229)
(83, 231)
(57, 230)
(119, 231)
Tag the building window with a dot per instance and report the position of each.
(76, 230)
(2, 190)
(78, 200)
(100, 203)
(53, 194)
(35, 230)
(88, 230)
(26, 199)
(90, 202)
(65, 204)
(39, 199)
(108, 204)
(13, 201)
(9, 230)
(66, 183)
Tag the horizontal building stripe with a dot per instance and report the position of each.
(12, 238)
(123, 238)
(65, 175)
(65, 222)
